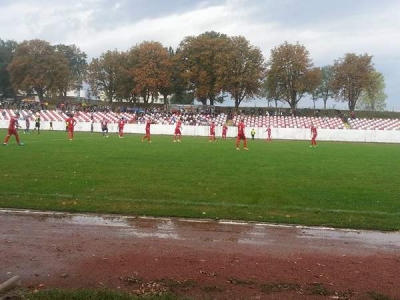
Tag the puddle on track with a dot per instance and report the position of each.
(219, 231)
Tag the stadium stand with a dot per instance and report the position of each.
(220, 119)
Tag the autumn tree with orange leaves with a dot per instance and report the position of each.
(152, 72)
(38, 68)
(352, 74)
(199, 57)
(240, 70)
(291, 74)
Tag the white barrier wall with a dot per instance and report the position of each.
(344, 135)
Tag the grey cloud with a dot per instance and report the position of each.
(111, 14)
(312, 12)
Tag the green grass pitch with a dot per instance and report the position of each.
(349, 185)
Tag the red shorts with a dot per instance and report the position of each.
(177, 131)
(241, 137)
(147, 131)
(12, 132)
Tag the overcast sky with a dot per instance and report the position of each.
(327, 28)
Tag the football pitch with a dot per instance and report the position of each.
(346, 185)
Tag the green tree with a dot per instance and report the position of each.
(178, 83)
(198, 56)
(351, 75)
(37, 67)
(7, 51)
(373, 98)
(77, 64)
(315, 76)
(323, 90)
(291, 74)
(104, 74)
(240, 70)
(184, 98)
(125, 83)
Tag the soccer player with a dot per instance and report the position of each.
(212, 132)
(104, 127)
(178, 134)
(37, 123)
(12, 130)
(71, 122)
(91, 125)
(241, 136)
(224, 131)
(313, 136)
(121, 124)
(269, 134)
(147, 135)
(27, 124)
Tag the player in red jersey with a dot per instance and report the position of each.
(269, 134)
(224, 131)
(212, 132)
(241, 136)
(121, 124)
(71, 122)
(147, 135)
(178, 134)
(313, 136)
(12, 130)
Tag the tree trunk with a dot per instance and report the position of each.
(352, 105)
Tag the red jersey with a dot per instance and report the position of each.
(71, 122)
(241, 128)
(148, 123)
(178, 125)
(13, 125)
(104, 124)
(224, 129)
(212, 129)
(313, 130)
(121, 124)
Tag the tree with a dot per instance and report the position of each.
(7, 51)
(37, 67)
(351, 75)
(199, 58)
(240, 70)
(178, 83)
(184, 98)
(104, 73)
(270, 96)
(323, 91)
(314, 79)
(77, 64)
(291, 74)
(152, 73)
(125, 83)
(373, 97)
